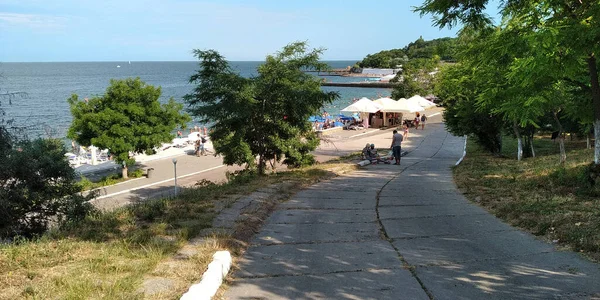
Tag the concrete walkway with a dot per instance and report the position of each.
(191, 169)
(403, 232)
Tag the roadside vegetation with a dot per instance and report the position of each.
(554, 201)
(87, 184)
(108, 254)
(417, 63)
(74, 251)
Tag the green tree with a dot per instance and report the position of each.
(574, 25)
(457, 88)
(127, 118)
(415, 78)
(265, 116)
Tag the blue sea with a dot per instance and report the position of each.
(45, 110)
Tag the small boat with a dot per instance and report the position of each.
(118, 66)
(129, 62)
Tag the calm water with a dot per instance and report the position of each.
(48, 85)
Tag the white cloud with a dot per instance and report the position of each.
(32, 21)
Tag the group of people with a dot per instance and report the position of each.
(192, 130)
(370, 153)
(420, 119)
(199, 148)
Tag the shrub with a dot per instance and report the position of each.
(38, 189)
(136, 173)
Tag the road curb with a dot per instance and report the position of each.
(211, 279)
(464, 153)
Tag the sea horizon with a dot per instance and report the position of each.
(49, 85)
(144, 61)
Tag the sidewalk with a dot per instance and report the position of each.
(191, 169)
(403, 232)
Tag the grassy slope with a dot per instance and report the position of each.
(109, 254)
(537, 194)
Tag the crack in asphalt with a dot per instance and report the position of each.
(433, 216)
(320, 273)
(315, 242)
(448, 235)
(503, 257)
(405, 263)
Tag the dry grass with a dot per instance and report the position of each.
(109, 254)
(537, 194)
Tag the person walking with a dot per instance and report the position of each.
(396, 146)
(423, 119)
(416, 120)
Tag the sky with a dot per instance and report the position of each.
(168, 30)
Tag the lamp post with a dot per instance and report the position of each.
(175, 171)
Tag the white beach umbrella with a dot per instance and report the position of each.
(421, 101)
(409, 106)
(390, 105)
(363, 105)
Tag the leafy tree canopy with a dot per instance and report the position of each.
(565, 32)
(127, 118)
(444, 48)
(265, 116)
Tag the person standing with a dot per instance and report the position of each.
(397, 146)
(405, 134)
(423, 119)
(202, 147)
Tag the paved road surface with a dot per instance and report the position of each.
(191, 169)
(403, 232)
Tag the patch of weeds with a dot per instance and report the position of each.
(537, 194)
(137, 173)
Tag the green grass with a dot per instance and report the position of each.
(109, 254)
(537, 194)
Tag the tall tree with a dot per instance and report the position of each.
(265, 116)
(575, 23)
(127, 118)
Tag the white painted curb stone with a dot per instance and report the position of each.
(464, 153)
(211, 279)
(364, 163)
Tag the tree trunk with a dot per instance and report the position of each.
(528, 145)
(587, 141)
(561, 138)
(563, 154)
(519, 141)
(261, 164)
(124, 172)
(593, 70)
(597, 142)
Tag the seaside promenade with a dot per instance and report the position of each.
(403, 232)
(191, 169)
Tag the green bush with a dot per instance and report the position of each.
(37, 188)
(136, 173)
(86, 184)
